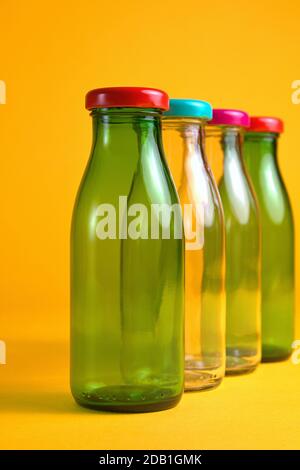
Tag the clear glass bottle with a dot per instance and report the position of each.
(127, 283)
(204, 248)
(260, 150)
(242, 240)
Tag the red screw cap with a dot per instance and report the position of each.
(265, 124)
(127, 97)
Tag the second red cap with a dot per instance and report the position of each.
(265, 124)
(127, 97)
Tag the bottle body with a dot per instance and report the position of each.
(277, 245)
(204, 253)
(127, 288)
(242, 240)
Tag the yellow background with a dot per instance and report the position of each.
(236, 54)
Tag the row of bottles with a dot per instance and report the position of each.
(182, 263)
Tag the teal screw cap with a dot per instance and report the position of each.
(189, 108)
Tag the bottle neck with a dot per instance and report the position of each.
(124, 128)
(224, 148)
(261, 145)
(260, 150)
(188, 130)
(183, 142)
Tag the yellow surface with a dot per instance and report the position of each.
(259, 410)
(233, 53)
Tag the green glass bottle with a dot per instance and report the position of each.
(242, 240)
(204, 247)
(260, 150)
(127, 263)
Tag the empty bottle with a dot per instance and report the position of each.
(260, 150)
(127, 262)
(204, 247)
(242, 239)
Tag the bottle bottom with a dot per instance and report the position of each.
(128, 398)
(239, 361)
(274, 353)
(198, 377)
(196, 380)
